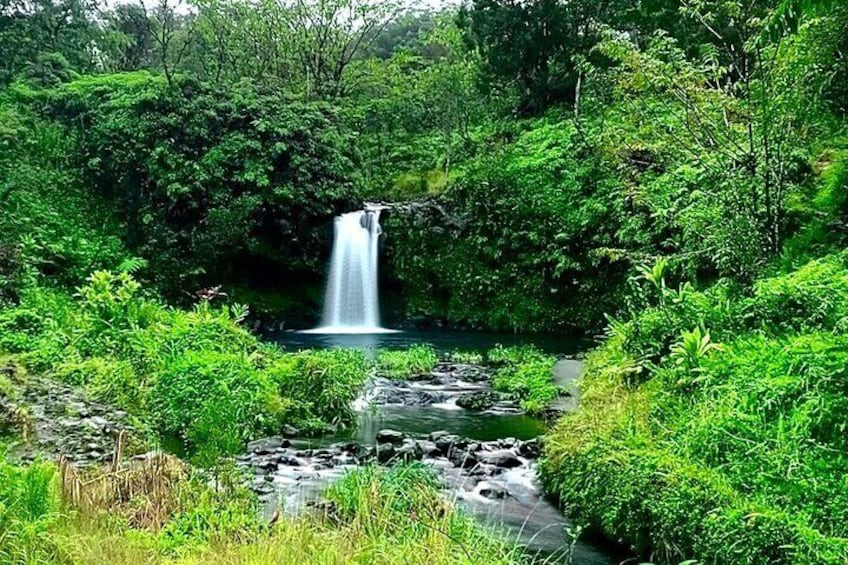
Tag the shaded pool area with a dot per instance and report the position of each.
(443, 341)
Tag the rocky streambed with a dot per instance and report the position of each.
(485, 453)
(58, 420)
(486, 456)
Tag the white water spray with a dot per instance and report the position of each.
(351, 304)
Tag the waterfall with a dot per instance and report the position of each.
(351, 303)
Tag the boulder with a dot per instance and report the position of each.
(445, 443)
(530, 448)
(267, 445)
(462, 458)
(502, 458)
(479, 400)
(492, 491)
(385, 452)
(390, 436)
(409, 452)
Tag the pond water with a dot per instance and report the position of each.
(443, 341)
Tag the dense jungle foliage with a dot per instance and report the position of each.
(673, 170)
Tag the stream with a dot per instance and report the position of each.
(486, 459)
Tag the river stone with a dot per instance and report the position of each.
(462, 458)
(501, 458)
(492, 490)
(288, 460)
(435, 436)
(480, 400)
(290, 431)
(267, 465)
(390, 436)
(409, 452)
(529, 448)
(428, 448)
(267, 445)
(445, 443)
(385, 452)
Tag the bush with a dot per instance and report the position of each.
(402, 364)
(321, 385)
(210, 516)
(810, 298)
(29, 508)
(215, 400)
(730, 452)
(526, 375)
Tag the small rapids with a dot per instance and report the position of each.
(486, 458)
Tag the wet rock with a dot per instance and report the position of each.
(77, 409)
(290, 431)
(462, 458)
(530, 448)
(428, 448)
(267, 465)
(480, 400)
(483, 470)
(409, 452)
(507, 442)
(385, 452)
(492, 491)
(502, 458)
(390, 436)
(351, 447)
(268, 445)
(445, 443)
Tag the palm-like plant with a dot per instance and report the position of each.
(692, 348)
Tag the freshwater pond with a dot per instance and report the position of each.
(443, 341)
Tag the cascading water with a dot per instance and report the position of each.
(351, 304)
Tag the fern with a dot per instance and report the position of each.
(132, 265)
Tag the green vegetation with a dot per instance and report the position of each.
(526, 375)
(406, 363)
(677, 168)
(382, 516)
(712, 425)
(179, 371)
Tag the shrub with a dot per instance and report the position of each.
(727, 454)
(813, 297)
(106, 379)
(321, 384)
(209, 516)
(218, 400)
(526, 375)
(402, 364)
(466, 357)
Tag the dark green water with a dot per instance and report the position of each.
(421, 420)
(442, 340)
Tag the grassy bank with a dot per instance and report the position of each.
(374, 515)
(713, 424)
(178, 372)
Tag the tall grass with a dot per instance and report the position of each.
(525, 374)
(29, 510)
(374, 515)
(402, 364)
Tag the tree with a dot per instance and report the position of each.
(133, 38)
(30, 28)
(328, 34)
(171, 34)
